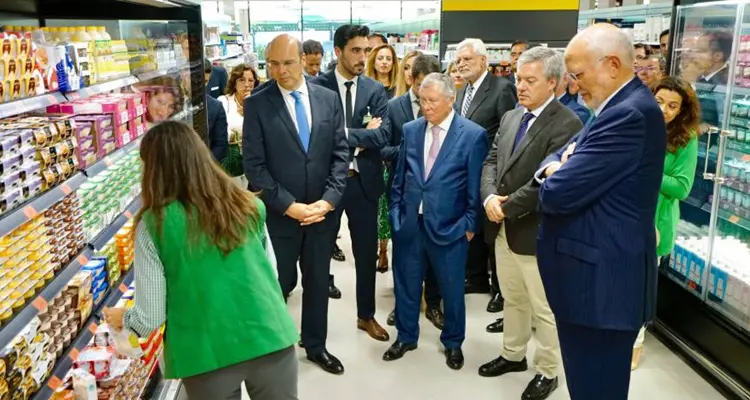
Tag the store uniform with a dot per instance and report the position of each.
(365, 175)
(524, 139)
(597, 242)
(484, 102)
(289, 162)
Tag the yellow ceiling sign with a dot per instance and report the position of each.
(508, 5)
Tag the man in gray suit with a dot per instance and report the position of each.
(527, 135)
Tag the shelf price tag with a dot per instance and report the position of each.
(108, 161)
(30, 212)
(83, 260)
(128, 214)
(93, 327)
(74, 353)
(40, 303)
(123, 288)
(734, 219)
(66, 189)
(54, 383)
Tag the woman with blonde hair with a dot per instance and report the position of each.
(452, 72)
(403, 83)
(382, 65)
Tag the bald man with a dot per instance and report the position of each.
(301, 179)
(597, 245)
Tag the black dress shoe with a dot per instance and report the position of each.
(496, 303)
(539, 388)
(471, 287)
(454, 358)
(338, 254)
(391, 318)
(301, 344)
(435, 316)
(333, 291)
(328, 362)
(397, 350)
(496, 327)
(500, 366)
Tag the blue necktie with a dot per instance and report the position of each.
(522, 129)
(303, 127)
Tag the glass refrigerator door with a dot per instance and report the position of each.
(701, 54)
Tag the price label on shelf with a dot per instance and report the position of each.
(74, 353)
(734, 219)
(40, 303)
(54, 383)
(128, 214)
(746, 157)
(92, 327)
(123, 288)
(83, 260)
(30, 212)
(108, 161)
(66, 189)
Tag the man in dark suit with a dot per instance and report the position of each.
(516, 49)
(405, 109)
(218, 139)
(484, 99)
(365, 106)
(571, 101)
(434, 213)
(217, 79)
(597, 242)
(296, 156)
(313, 51)
(526, 136)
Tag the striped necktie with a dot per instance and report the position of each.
(467, 100)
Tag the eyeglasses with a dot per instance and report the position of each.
(576, 76)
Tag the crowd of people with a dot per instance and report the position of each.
(553, 188)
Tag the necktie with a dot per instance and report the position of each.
(348, 99)
(467, 100)
(591, 119)
(303, 126)
(434, 150)
(419, 109)
(522, 129)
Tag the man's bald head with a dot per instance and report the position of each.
(284, 58)
(602, 40)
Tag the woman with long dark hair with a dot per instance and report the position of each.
(242, 80)
(202, 267)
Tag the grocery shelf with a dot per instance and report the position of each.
(32, 309)
(99, 88)
(116, 291)
(109, 232)
(226, 57)
(111, 158)
(147, 76)
(30, 104)
(728, 216)
(33, 207)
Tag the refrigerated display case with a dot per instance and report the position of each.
(703, 306)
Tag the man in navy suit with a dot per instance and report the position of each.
(368, 127)
(597, 242)
(434, 213)
(571, 101)
(216, 78)
(405, 109)
(296, 156)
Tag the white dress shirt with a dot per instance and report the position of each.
(341, 81)
(234, 119)
(414, 101)
(289, 100)
(475, 86)
(444, 127)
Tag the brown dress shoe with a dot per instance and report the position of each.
(373, 329)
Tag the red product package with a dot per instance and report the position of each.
(96, 361)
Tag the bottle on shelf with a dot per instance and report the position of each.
(80, 35)
(103, 33)
(93, 33)
(64, 35)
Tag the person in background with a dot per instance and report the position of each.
(368, 128)
(648, 70)
(313, 51)
(403, 82)
(382, 66)
(196, 226)
(218, 140)
(337, 254)
(484, 100)
(401, 110)
(570, 100)
(332, 65)
(642, 52)
(218, 82)
(374, 40)
(434, 213)
(301, 179)
(664, 43)
(596, 243)
(452, 72)
(516, 49)
(526, 136)
(681, 109)
(164, 99)
(242, 80)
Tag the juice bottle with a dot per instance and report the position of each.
(103, 33)
(93, 33)
(80, 35)
(64, 35)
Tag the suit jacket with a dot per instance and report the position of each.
(218, 135)
(571, 102)
(277, 165)
(370, 94)
(400, 112)
(511, 173)
(597, 242)
(217, 83)
(450, 194)
(492, 99)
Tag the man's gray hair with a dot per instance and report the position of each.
(605, 42)
(476, 45)
(445, 83)
(553, 65)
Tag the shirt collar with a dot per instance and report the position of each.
(708, 77)
(302, 89)
(412, 97)
(340, 79)
(480, 80)
(607, 100)
(538, 111)
(446, 124)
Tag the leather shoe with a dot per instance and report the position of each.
(495, 304)
(470, 287)
(435, 316)
(333, 291)
(301, 344)
(338, 254)
(327, 362)
(500, 366)
(539, 388)
(397, 350)
(496, 327)
(373, 328)
(454, 358)
(391, 318)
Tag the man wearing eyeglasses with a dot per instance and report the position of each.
(648, 70)
(596, 246)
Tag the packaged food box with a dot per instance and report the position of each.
(32, 188)
(10, 181)
(31, 170)
(9, 145)
(10, 163)
(117, 109)
(10, 200)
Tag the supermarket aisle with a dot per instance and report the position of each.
(422, 374)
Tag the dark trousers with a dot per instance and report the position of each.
(313, 250)
(431, 290)
(478, 257)
(411, 256)
(362, 214)
(596, 361)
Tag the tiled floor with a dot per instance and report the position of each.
(422, 374)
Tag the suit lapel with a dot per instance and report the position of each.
(541, 122)
(406, 105)
(479, 96)
(280, 106)
(421, 128)
(360, 101)
(459, 100)
(454, 133)
(506, 144)
(316, 114)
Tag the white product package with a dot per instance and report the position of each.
(126, 343)
(84, 385)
